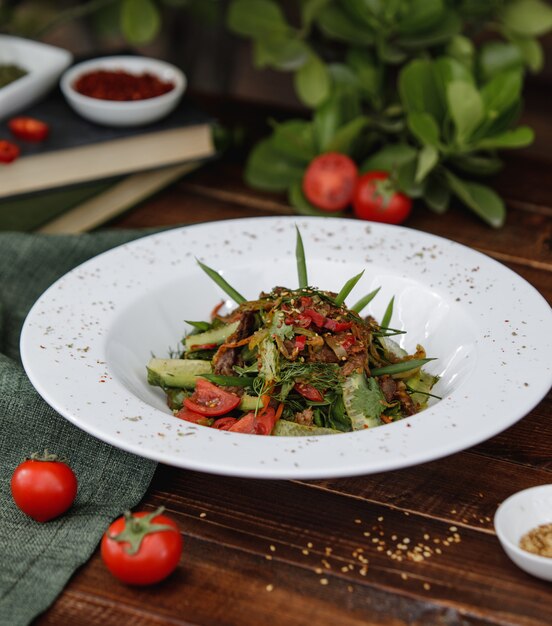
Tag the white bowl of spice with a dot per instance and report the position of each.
(123, 90)
(523, 524)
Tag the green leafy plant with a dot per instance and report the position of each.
(427, 90)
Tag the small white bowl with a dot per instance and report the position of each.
(127, 113)
(519, 514)
(44, 65)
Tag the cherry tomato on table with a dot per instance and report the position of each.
(329, 181)
(376, 199)
(43, 487)
(8, 151)
(28, 128)
(142, 548)
(210, 400)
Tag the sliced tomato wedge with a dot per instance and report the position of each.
(8, 151)
(337, 327)
(309, 392)
(28, 128)
(300, 342)
(210, 400)
(190, 416)
(315, 316)
(260, 424)
(224, 423)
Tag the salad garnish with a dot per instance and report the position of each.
(293, 362)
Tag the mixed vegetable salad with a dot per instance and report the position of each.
(293, 362)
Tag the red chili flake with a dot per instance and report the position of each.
(121, 86)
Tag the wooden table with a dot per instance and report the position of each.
(320, 552)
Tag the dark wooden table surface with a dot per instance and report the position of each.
(320, 552)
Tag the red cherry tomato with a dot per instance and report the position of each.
(329, 181)
(28, 128)
(376, 199)
(8, 151)
(210, 400)
(142, 548)
(43, 487)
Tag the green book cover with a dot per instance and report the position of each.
(28, 212)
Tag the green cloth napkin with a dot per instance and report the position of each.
(37, 559)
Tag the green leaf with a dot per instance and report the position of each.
(501, 93)
(222, 283)
(347, 288)
(312, 81)
(420, 15)
(140, 21)
(386, 319)
(280, 52)
(310, 9)
(301, 261)
(478, 164)
(336, 24)
(398, 368)
(528, 17)
(257, 19)
(302, 206)
(482, 200)
(498, 56)
(369, 73)
(339, 109)
(427, 160)
(446, 70)
(344, 138)
(517, 138)
(365, 301)
(466, 108)
(269, 170)
(461, 49)
(448, 26)
(418, 89)
(390, 158)
(437, 194)
(531, 51)
(424, 127)
(294, 139)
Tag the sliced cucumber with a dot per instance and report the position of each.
(215, 335)
(284, 428)
(176, 372)
(364, 401)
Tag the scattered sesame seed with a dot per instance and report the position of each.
(272, 548)
(269, 587)
(344, 569)
(349, 588)
(309, 544)
(366, 533)
(394, 537)
(323, 581)
(406, 540)
(380, 518)
(328, 550)
(203, 515)
(453, 529)
(363, 571)
(318, 570)
(427, 586)
(268, 557)
(305, 551)
(426, 536)
(326, 564)
(358, 521)
(404, 576)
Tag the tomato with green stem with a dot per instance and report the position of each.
(377, 199)
(43, 486)
(142, 548)
(329, 181)
(210, 400)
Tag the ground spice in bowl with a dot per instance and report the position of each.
(121, 86)
(538, 540)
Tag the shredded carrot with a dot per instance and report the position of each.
(279, 411)
(214, 312)
(236, 344)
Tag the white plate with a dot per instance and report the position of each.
(86, 341)
(44, 64)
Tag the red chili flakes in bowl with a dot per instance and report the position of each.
(121, 86)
